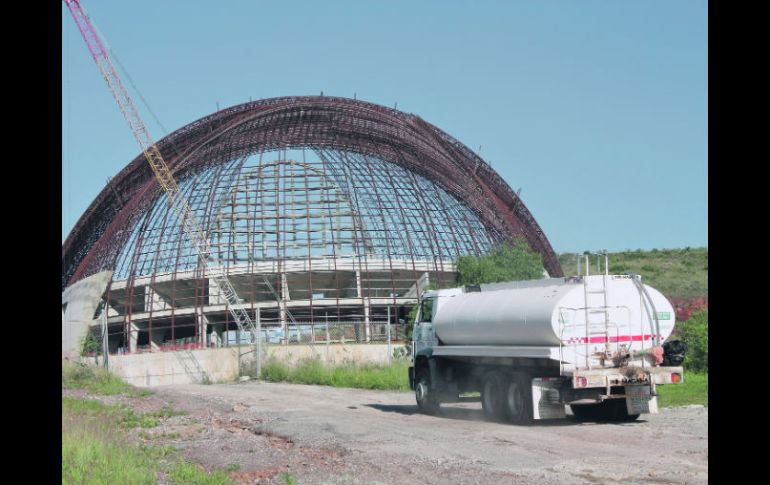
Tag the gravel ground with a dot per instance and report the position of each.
(323, 435)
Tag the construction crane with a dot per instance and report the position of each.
(166, 180)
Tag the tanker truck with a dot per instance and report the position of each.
(530, 348)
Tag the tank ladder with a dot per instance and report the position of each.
(597, 315)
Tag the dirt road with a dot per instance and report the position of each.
(350, 436)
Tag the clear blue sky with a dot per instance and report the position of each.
(597, 110)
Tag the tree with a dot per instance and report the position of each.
(91, 345)
(512, 261)
(695, 333)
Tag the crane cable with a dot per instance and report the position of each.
(67, 129)
(113, 55)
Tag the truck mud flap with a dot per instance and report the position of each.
(546, 398)
(639, 400)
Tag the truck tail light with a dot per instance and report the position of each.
(581, 382)
(675, 378)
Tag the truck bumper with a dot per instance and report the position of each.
(411, 378)
(610, 376)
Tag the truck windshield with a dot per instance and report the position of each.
(426, 310)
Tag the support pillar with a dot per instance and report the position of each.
(203, 324)
(133, 336)
(156, 338)
(360, 294)
(216, 335)
(282, 308)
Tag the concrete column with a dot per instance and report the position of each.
(216, 335)
(359, 294)
(214, 297)
(282, 305)
(153, 301)
(367, 320)
(133, 336)
(156, 338)
(202, 326)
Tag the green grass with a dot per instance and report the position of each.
(677, 273)
(95, 448)
(120, 415)
(192, 474)
(694, 390)
(97, 458)
(96, 380)
(288, 479)
(361, 376)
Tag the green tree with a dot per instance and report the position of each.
(695, 333)
(508, 262)
(91, 345)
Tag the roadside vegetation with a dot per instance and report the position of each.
(508, 262)
(96, 380)
(677, 273)
(694, 390)
(97, 447)
(361, 376)
(695, 333)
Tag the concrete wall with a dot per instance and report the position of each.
(81, 300)
(330, 354)
(166, 368)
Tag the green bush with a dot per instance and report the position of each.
(510, 262)
(695, 333)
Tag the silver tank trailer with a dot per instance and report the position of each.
(547, 312)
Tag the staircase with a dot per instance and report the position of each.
(192, 367)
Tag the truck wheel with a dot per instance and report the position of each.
(493, 397)
(426, 399)
(586, 412)
(518, 400)
(621, 411)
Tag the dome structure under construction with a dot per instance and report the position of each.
(328, 215)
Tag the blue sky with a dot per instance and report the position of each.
(597, 110)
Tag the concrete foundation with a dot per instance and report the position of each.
(221, 365)
(166, 368)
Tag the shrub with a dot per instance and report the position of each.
(509, 262)
(695, 333)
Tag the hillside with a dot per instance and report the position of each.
(680, 274)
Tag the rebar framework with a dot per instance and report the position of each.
(341, 204)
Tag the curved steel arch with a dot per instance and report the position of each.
(321, 122)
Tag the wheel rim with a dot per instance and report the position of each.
(422, 391)
(515, 400)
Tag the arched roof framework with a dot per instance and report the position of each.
(315, 122)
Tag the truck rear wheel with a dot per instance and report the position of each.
(518, 400)
(426, 398)
(586, 412)
(621, 411)
(493, 397)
